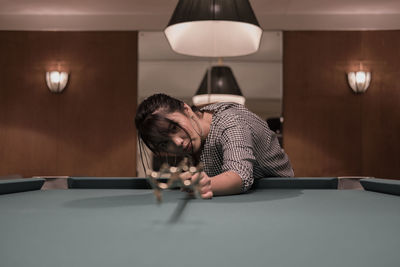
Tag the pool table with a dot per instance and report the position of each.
(275, 224)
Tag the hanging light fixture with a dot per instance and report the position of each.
(220, 86)
(56, 81)
(214, 28)
(359, 81)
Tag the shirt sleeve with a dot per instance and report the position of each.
(237, 149)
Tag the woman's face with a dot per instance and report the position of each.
(187, 136)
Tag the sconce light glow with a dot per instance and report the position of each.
(360, 77)
(359, 81)
(56, 81)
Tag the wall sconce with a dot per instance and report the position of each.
(359, 81)
(56, 81)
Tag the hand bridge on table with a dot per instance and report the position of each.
(173, 174)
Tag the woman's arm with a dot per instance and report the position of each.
(227, 183)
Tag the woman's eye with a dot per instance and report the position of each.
(173, 128)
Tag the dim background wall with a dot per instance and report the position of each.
(88, 129)
(85, 131)
(329, 130)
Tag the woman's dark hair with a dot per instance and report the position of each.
(154, 128)
(151, 122)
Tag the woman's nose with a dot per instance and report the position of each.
(178, 141)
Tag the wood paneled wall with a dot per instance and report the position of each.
(328, 129)
(88, 129)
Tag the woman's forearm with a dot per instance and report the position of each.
(227, 183)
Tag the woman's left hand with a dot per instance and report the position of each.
(203, 186)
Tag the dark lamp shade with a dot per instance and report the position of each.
(222, 87)
(214, 28)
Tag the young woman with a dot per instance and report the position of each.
(234, 145)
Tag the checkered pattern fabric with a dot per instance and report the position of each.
(240, 141)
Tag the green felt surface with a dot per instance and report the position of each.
(95, 228)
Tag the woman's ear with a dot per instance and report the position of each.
(186, 108)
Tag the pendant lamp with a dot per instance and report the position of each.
(220, 87)
(214, 28)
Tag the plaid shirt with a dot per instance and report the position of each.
(240, 141)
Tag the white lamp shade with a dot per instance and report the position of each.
(359, 81)
(221, 86)
(213, 38)
(56, 81)
(200, 100)
(214, 28)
